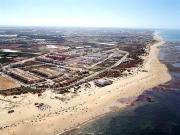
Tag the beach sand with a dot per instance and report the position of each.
(64, 112)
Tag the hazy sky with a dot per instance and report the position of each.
(91, 13)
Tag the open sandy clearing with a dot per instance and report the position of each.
(5, 83)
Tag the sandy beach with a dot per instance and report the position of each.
(60, 113)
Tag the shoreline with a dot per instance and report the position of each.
(154, 46)
(89, 106)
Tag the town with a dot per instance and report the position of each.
(36, 59)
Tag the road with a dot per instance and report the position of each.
(120, 61)
(96, 73)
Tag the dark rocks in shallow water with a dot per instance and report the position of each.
(144, 97)
(149, 99)
(132, 104)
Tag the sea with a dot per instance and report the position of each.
(159, 117)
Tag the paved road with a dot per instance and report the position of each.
(120, 61)
(96, 73)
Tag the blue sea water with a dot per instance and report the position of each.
(161, 117)
(176, 65)
(170, 35)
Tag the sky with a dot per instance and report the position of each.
(91, 13)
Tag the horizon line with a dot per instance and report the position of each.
(97, 27)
